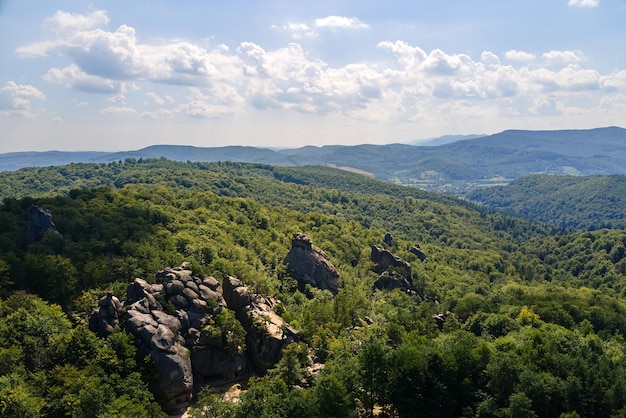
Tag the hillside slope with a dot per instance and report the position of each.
(566, 202)
(513, 320)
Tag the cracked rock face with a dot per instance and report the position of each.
(395, 273)
(308, 264)
(167, 319)
(174, 321)
(40, 223)
(266, 332)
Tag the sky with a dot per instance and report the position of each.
(122, 75)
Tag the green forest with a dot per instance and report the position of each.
(509, 317)
(569, 203)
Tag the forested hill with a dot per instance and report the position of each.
(502, 320)
(566, 202)
(451, 168)
(230, 178)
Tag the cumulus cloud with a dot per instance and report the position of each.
(570, 78)
(560, 57)
(72, 76)
(15, 99)
(218, 82)
(615, 81)
(117, 56)
(64, 22)
(583, 3)
(340, 22)
(297, 30)
(489, 58)
(514, 55)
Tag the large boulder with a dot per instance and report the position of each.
(168, 319)
(40, 223)
(390, 281)
(395, 273)
(308, 264)
(417, 250)
(158, 334)
(106, 319)
(385, 260)
(266, 332)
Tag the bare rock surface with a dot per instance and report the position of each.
(174, 321)
(40, 223)
(266, 332)
(395, 273)
(308, 264)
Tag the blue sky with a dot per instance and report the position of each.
(119, 75)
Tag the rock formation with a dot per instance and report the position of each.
(395, 273)
(417, 250)
(39, 223)
(266, 332)
(308, 264)
(386, 259)
(393, 280)
(107, 319)
(174, 321)
(388, 239)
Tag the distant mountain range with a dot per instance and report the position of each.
(454, 167)
(446, 139)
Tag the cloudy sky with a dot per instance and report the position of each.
(119, 75)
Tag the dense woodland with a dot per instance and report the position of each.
(569, 203)
(535, 320)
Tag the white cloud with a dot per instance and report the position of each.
(514, 55)
(297, 30)
(118, 56)
(571, 78)
(340, 22)
(118, 110)
(438, 62)
(560, 57)
(15, 99)
(72, 76)
(615, 81)
(405, 87)
(64, 22)
(583, 3)
(489, 58)
(117, 99)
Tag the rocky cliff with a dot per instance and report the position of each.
(395, 273)
(187, 327)
(40, 223)
(308, 264)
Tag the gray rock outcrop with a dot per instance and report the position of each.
(106, 319)
(40, 223)
(395, 273)
(308, 264)
(386, 259)
(171, 320)
(417, 250)
(266, 332)
(393, 280)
